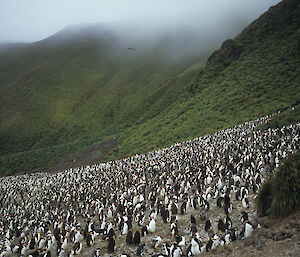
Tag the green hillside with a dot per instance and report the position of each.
(255, 74)
(80, 87)
(66, 93)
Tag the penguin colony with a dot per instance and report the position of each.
(188, 199)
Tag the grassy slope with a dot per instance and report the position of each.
(264, 79)
(284, 118)
(280, 194)
(149, 101)
(59, 98)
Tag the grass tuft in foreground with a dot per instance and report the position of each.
(280, 194)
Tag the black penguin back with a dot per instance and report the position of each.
(129, 239)
(111, 244)
(137, 238)
(207, 225)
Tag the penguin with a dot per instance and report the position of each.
(216, 241)
(125, 229)
(228, 222)
(195, 247)
(245, 203)
(220, 201)
(78, 237)
(221, 225)
(244, 216)
(77, 248)
(32, 243)
(207, 225)
(140, 249)
(209, 245)
(227, 208)
(61, 253)
(42, 242)
(193, 219)
(193, 229)
(174, 229)
(144, 231)
(248, 229)
(141, 219)
(232, 235)
(181, 241)
(174, 208)
(206, 205)
(37, 253)
(16, 249)
(227, 239)
(152, 226)
(164, 214)
(167, 249)
(157, 241)
(47, 254)
(111, 244)
(96, 252)
(64, 244)
(111, 233)
(202, 214)
(226, 199)
(88, 240)
(176, 252)
(183, 208)
(93, 234)
(102, 227)
(129, 239)
(153, 214)
(137, 238)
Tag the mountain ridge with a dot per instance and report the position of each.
(158, 100)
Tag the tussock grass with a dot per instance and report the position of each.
(280, 194)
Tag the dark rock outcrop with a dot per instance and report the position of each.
(228, 53)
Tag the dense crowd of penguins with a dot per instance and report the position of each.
(60, 214)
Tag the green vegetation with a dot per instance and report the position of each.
(284, 118)
(57, 99)
(68, 93)
(280, 194)
(250, 76)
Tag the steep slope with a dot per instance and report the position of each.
(66, 96)
(80, 86)
(255, 74)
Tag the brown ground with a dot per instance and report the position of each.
(277, 237)
(93, 154)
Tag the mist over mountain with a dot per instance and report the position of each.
(29, 21)
(106, 85)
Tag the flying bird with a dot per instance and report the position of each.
(129, 49)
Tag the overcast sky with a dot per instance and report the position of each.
(32, 20)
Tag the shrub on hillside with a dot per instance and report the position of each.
(280, 194)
